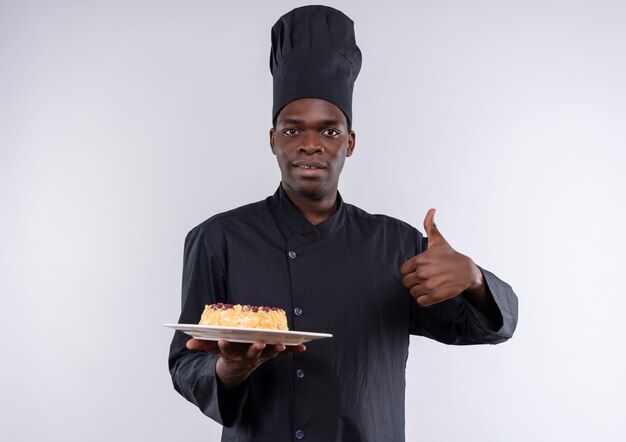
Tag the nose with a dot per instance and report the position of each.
(310, 145)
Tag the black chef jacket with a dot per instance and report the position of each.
(340, 276)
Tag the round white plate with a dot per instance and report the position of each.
(247, 335)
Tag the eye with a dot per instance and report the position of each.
(291, 132)
(331, 132)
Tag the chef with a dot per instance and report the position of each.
(370, 280)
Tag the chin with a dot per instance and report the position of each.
(312, 194)
(313, 191)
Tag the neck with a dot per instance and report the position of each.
(314, 210)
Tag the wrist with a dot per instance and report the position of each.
(227, 376)
(476, 286)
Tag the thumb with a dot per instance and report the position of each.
(434, 236)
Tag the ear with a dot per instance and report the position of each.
(272, 140)
(351, 143)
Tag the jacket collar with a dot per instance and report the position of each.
(294, 224)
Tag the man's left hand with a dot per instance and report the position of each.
(440, 272)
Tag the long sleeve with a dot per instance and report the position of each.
(193, 372)
(457, 322)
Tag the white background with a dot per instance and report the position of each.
(125, 124)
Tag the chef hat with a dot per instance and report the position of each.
(314, 55)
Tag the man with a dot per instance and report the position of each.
(370, 280)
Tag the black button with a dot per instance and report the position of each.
(292, 254)
(299, 434)
(297, 311)
(300, 373)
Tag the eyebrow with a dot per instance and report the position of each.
(296, 122)
(291, 122)
(331, 123)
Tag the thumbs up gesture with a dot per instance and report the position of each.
(440, 272)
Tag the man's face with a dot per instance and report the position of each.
(311, 141)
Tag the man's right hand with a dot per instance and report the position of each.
(237, 360)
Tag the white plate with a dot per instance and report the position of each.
(247, 335)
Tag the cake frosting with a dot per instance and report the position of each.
(247, 316)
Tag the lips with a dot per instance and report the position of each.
(308, 166)
(308, 170)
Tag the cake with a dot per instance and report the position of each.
(248, 316)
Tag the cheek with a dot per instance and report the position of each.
(282, 161)
(339, 159)
(336, 167)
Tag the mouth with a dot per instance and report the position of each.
(309, 170)
(308, 166)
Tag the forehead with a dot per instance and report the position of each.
(311, 109)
